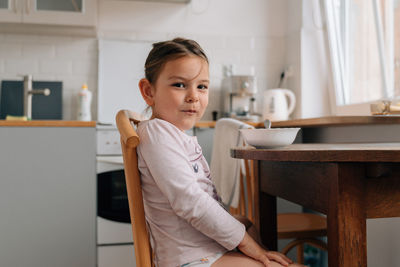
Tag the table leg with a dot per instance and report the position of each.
(268, 229)
(347, 217)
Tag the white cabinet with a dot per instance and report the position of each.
(54, 12)
(48, 196)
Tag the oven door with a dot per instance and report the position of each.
(113, 219)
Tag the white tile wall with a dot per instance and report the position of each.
(10, 51)
(20, 38)
(254, 42)
(54, 58)
(19, 66)
(55, 66)
(41, 51)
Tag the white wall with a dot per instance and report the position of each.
(308, 55)
(314, 62)
(293, 56)
(250, 34)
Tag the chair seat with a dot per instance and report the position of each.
(300, 225)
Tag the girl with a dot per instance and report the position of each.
(188, 226)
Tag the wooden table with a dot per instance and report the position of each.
(347, 182)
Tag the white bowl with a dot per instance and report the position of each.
(269, 138)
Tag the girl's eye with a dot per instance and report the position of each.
(179, 85)
(202, 86)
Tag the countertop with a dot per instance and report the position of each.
(47, 123)
(320, 122)
(304, 123)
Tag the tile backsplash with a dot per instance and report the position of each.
(72, 60)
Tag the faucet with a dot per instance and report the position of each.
(28, 92)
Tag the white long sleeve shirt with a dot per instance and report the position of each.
(186, 221)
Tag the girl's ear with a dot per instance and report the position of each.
(146, 90)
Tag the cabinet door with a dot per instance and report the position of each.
(10, 11)
(61, 12)
(48, 197)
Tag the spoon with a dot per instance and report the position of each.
(267, 124)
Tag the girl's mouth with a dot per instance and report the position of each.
(189, 111)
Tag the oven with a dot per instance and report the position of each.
(114, 232)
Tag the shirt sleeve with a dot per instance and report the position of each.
(169, 165)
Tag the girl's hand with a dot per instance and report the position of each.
(250, 247)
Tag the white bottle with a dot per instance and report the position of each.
(84, 102)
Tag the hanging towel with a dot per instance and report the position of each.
(225, 170)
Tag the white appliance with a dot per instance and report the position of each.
(239, 97)
(276, 104)
(114, 232)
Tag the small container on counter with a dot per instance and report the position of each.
(84, 103)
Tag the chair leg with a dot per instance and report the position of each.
(300, 253)
(250, 195)
(242, 200)
(300, 246)
(312, 241)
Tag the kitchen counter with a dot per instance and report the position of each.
(320, 122)
(47, 123)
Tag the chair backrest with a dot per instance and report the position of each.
(129, 142)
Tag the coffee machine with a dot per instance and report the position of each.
(239, 92)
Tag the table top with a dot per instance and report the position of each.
(349, 152)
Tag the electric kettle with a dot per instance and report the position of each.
(278, 104)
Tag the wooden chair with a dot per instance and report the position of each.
(303, 228)
(129, 141)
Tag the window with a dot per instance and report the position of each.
(364, 41)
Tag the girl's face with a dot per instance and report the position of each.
(180, 93)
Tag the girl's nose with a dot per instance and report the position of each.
(192, 95)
